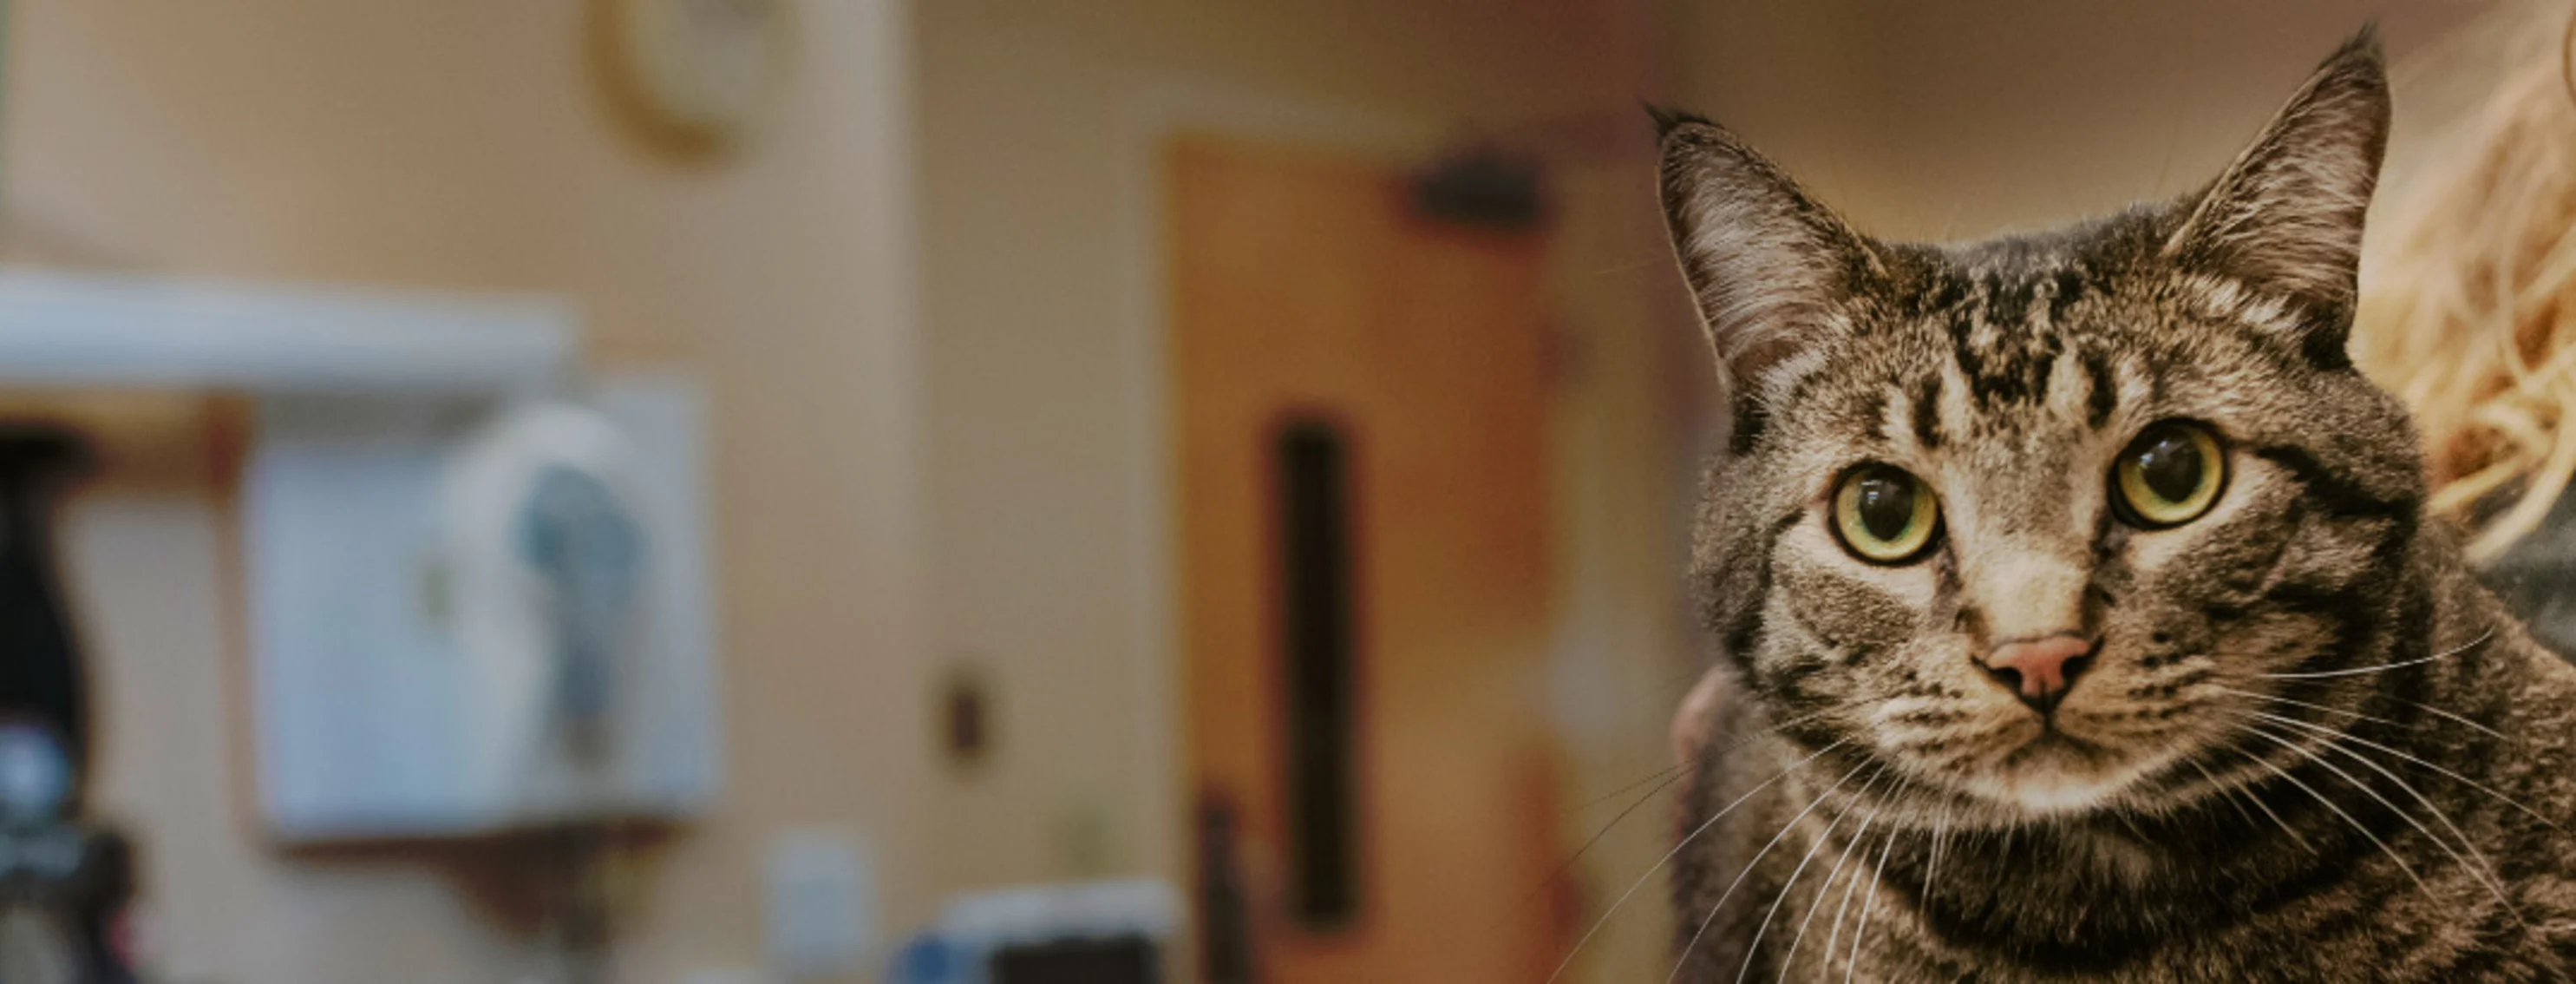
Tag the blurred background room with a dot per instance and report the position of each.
(767, 491)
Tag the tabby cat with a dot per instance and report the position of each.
(2079, 615)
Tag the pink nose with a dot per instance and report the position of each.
(2039, 671)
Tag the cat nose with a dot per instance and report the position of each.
(2040, 671)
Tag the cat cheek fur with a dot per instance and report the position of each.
(2208, 807)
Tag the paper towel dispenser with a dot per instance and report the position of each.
(475, 574)
(468, 618)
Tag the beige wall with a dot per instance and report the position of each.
(1932, 121)
(459, 143)
(1042, 310)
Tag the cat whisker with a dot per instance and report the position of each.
(2481, 640)
(1748, 870)
(1677, 850)
(2483, 870)
(2418, 705)
(2476, 872)
(1672, 776)
(2236, 798)
(2357, 715)
(1852, 968)
(1668, 774)
(1833, 941)
(1659, 779)
(1859, 834)
(2131, 823)
(1791, 884)
(2465, 722)
(1663, 779)
(1790, 958)
(2339, 811)
(2454, 776)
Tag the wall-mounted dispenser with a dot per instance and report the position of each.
(477, 620)
(477, 576)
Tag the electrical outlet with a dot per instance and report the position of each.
(822, 902)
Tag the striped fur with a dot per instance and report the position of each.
(2310, 747)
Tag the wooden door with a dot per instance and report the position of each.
(1360, 425)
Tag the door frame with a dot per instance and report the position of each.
(1151, 121)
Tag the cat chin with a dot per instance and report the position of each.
(2055, 777)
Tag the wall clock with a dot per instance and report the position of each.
(694, 76)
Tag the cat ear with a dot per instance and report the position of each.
(1765, 261)
(2285, 219)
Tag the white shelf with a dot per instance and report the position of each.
(105, 330)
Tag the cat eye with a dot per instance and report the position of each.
(1885, 515)
(2169, 475)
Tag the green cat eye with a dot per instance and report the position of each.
(1885, 515)
(2170, 475)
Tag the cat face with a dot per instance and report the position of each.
(2037, 524)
